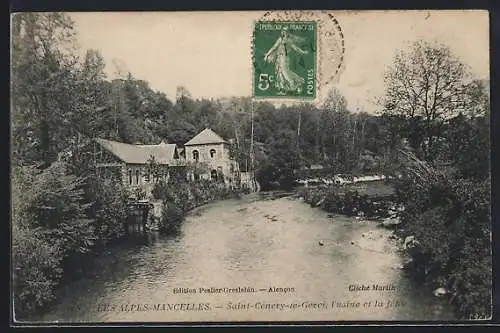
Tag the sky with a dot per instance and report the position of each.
(209, 52)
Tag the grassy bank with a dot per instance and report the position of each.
(448, 218)
(370, 199)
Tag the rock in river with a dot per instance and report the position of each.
(440, 292)
(391, 221)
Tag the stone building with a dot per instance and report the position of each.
(130, 163)
(209, 157)
(205, 156)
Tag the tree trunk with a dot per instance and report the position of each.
(317, 140)
(298, 137)
(45, 140)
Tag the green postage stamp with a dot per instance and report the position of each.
(285, 59)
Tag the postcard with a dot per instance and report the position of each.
(250, 166)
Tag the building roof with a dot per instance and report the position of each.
(206, 136)
(140, 154)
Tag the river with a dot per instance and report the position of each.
(260, 241)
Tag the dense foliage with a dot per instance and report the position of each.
(181, 196)
(56, 219)
(450, 219)
(109, 208)
(347, 200)
(445, 186)
(36, 269)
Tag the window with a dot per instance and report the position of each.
(130, 177)
(137, 176)
(196, 155)
(212, 153)
(220, 174)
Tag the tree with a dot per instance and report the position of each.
(154, 171)
(334, 129)
(36, 269)
(92, 94)
(42, 84)
(425, 85)
(282, 160)
(468, 145)
(57, 204)
(109, 207)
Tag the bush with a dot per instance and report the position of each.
(36, 269)
(180, 197)
(348, 202)
(50, 225)
(245, 190)
(172, 217)
(471, 267)
(159, 190)
(450, 218)
(36, 262)
(57, 204)
(109, 208)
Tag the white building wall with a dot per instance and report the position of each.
(140, 181)
(221, 159)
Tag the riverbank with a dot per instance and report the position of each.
(371, 202)
(374, 199)
(61, 223)
(427, 225)
(58, 218)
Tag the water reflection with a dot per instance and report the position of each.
(253, 242)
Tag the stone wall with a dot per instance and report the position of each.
(220, 161)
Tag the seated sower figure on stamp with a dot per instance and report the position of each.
(279, 54)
